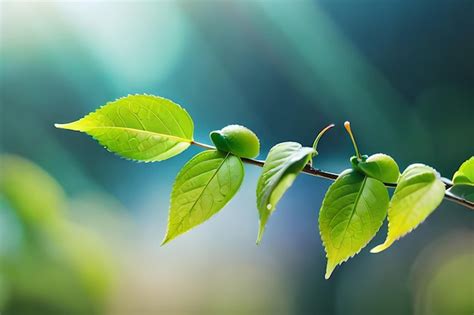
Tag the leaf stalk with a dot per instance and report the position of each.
(320, 134)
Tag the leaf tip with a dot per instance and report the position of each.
(261, 229)
(329, 269)
(61, 126)
(68, 126)
(166, 240)
(380, 248)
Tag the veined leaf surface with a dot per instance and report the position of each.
(418, 193)
(284, 162)
(463, 191)
(139, 127)
(353, 211)
(465, 174)
(463, 181)
(203, 186)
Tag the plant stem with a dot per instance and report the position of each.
(320, 134)
(333, 176)
(203, 145)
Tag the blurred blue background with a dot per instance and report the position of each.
(80, 228)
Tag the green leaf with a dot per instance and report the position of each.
(284, 162)
(353, 211)
(380, 166)
(465, 174)
(463, 191)
(463, 181)
(203, 186)
(139, 127)
(237, 140)
(418, 193)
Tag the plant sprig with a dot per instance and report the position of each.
(148, 128)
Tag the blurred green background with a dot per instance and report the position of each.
(80, 228)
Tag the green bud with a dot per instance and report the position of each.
(237, 140)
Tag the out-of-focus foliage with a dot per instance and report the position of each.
(443, 276)
(54, 266)
(454, 272)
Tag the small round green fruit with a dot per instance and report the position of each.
(237, 140)
(380, 166)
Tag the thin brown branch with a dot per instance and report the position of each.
(333, 176)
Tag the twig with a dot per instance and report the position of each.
(333, 176)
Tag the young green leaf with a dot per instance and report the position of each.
(418, 193)
(465, 174)
(463, 181)
(203, 186)
(380, 166)
(353, 211)
(463, 191)
(139, 127)
(237, 140)
(284, 162)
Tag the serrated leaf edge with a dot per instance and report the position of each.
(166, 239)
(66, 126)
(329, 273)
(385, 245)
(262, 223)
